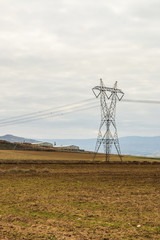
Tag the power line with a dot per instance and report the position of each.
(38, 113)
(48, 115)
(47, 111)
(62, 110)
(142, 101)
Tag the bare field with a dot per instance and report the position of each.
(21, 156)
(79, 201)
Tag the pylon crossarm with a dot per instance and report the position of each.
(96, 94)
(120, 97)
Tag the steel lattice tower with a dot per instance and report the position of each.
(107, 131)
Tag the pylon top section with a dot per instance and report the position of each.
(109, 92)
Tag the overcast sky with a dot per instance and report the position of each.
(53, 52)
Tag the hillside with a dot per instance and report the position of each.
(5, 145)
(12, 138)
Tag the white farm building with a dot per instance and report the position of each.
(70, 147)
(43, 144)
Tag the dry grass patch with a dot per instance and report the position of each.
(19, 156)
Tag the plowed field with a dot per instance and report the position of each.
(79, 201)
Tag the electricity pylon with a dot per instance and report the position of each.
(107, 131)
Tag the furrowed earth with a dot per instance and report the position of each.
(49, 195)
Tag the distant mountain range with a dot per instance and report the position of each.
(12, 138)
(137, 146)
(140, 146)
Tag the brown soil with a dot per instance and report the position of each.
(79, 201)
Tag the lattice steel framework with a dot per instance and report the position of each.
(107, 131)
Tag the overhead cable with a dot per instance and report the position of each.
(62, 110)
